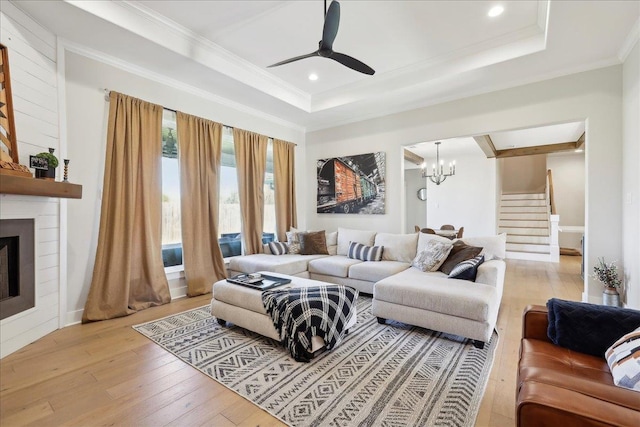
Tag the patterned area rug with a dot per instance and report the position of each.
(392, 374)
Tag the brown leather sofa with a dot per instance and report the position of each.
(560, 387)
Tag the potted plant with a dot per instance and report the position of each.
(607, 274)
(52, 162)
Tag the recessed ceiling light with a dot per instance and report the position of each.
(579, 150)
(313, 77)
(496, 11)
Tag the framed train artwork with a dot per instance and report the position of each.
(352, 184)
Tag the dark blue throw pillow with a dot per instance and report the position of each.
(588, 328)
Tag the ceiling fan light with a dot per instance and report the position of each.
(313, 77)
(495, 11)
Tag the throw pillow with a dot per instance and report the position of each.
(424, 238)
(588, 328)
(293, 241)
(623, 358)
(313, 243)
(346, 236)
(433, 255)
(278, 248)
(365, 253)
(459, 252)
(468, 269)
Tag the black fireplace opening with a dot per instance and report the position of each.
(9, 262)
(17, 266)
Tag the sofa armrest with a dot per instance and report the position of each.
(491, 273)
(540, 404)
(535, 323)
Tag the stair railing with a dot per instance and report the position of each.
(549, 190)
(554, 220)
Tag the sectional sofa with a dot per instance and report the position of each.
(401, 292)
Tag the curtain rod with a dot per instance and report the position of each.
(107, 92)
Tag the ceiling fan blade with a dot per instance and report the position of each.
(297, 58)
(352, 63)
(331, 24)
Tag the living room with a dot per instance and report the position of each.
(601, 92)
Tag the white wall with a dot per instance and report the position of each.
(467, 199)
(594, 96)
(416, 209)
(87, 115)
(568, 189)
(631, 175)
(32, 62)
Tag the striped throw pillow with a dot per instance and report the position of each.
(467, 270)
(278, 248)
(623, 358)
(365, 253)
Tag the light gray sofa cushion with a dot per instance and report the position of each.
(285, 264)
(397, 247)
(332, 238)
(336, 265)
(461, 298)
(373, 271)
(346, 236)
(493, 247)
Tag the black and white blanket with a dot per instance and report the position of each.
(301, 313)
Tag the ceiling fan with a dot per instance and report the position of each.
(325, 46)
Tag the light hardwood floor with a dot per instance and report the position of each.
(106, 373)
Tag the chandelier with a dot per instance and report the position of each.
(437, 174)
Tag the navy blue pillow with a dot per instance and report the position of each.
(467, 270)
(588, 328)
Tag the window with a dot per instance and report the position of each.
(269, 225)
(230, 219)
(171, 231)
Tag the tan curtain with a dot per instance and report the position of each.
(129, 274)
(200, 143)
(285, 188)
(251, 161)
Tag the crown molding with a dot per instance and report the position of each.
(630, 41)
(426, 101)
(144, 22)
(177, 84)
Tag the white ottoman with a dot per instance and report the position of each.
(243, 307)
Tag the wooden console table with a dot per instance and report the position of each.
(10, 184)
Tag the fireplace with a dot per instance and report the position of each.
(17, 281)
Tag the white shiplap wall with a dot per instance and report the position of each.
(32, 61)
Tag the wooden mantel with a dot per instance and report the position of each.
(10, 184)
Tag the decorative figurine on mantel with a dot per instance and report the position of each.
(66, 171)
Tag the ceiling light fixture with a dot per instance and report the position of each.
(495, 11)
(437, 175)
(579, 150)
(313, 77)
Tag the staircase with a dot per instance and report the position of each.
(525, 219)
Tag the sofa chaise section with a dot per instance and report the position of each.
(433, 301)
